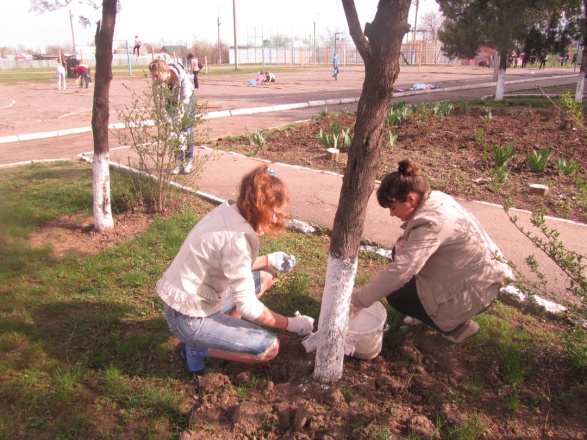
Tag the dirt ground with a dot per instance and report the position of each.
(456, 154)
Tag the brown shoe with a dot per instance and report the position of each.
(468, 329)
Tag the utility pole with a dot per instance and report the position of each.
(72, 34)
(219, 45)
(315, 34)
(235, 42)
(417, 4)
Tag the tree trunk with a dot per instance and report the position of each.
(101, 190)
(500, 88)
(580, 85)
(583, 66)
(380, 47)
(100, 116)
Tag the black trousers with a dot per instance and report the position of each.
(196, 85)
(405, 300)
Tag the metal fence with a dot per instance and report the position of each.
(419, 52)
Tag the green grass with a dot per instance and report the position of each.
(85, 351)
(47, 74)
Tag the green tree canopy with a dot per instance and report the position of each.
(499, 24)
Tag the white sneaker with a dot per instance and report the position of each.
(176, 170)
(188, 168)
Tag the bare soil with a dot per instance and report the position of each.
(420, 386)
(456, 153)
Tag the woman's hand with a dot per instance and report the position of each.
(354, 308)
(281, 261)
(300, 324)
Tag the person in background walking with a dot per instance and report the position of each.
(137, 47)
(195, 67)
(335, 67)
(61, 76)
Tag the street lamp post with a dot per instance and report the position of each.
(235, 40)
(315, 36)
(219, 45)
(72, 34)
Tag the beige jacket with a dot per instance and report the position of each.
(215, 260)
(452, 258)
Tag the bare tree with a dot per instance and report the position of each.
(379, 45)
(431, 22)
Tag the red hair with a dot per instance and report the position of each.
(260, 194)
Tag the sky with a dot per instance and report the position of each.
(182, 21)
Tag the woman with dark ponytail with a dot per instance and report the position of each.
(445, 268)
(218, 276)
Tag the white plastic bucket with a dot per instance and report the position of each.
(367, 328)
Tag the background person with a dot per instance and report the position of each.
(444, 270)
(137, 47)
(335, 67)
(182, 100)
(83, 73)
(61, 84)
(195, 67)
(260, 78)
(219, 263)
(269, 77)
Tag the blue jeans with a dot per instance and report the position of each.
(220, 331)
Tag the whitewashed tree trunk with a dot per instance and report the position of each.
(101, 188)
(380, 48)
(100, 116)
(333, 323)
(500, 88)
(580, 87)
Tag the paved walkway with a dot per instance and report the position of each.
(315, 194)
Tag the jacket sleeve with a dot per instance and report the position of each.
(422, 240)
(237, 264)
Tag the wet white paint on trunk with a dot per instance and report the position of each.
(500, 88)
(334, 314)
(101, 187)
(580, 87)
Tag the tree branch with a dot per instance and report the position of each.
(359, 38)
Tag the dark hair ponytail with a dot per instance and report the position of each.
(397, 185)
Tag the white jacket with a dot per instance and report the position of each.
(215, 260)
